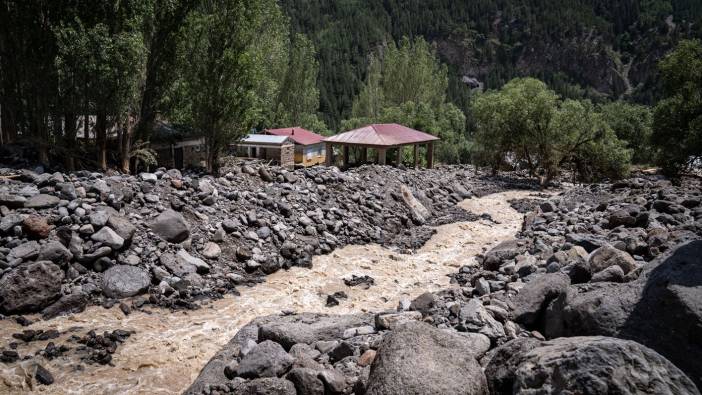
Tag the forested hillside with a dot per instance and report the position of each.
(582, 48)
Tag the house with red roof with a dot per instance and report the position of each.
(309, 146)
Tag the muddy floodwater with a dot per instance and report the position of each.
(169, 348)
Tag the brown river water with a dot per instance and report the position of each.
(169, 348)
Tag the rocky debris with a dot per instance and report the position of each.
(582, 365)
(30, 287)
(99, 348)
(234, 229)
(121, 281)
(662, 309)
(416, 358)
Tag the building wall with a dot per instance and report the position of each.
(194, 153)
(310, 155)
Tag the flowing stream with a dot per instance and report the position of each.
(169, 348)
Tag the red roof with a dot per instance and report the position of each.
(386, 134)
(299, 135)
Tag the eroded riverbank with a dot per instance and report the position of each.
(169, 349)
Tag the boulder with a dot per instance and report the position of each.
(310, 328)
(306, 381)
(186, 260)
(36, 227)
(179, 267)
(30, 287)
(122, 227)
(531, 301)
(266, 386)
(68, 304)
(25, 251)
(170, 226)
(417, 358)
(10, 221)
(121, 281)
(418, 212)
(661, 309)
(506, 250)
(42, 201)
(607, 256)
(423, 303)
(55, 252)
(108, 237)
(12, 201)
(267, 359)
(584, 365)
(613, 274)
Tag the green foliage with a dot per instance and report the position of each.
(632, 124)
(563, 43)
(677, 123)
(406, 84)
(298, 99)
(231, 61)
(525, 124)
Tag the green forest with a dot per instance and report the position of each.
(588, 85)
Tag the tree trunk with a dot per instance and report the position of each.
(126, 144)
(101, 140)
(69, 141)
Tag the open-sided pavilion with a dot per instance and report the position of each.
(381, 137)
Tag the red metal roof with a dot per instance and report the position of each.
(299, 135)
(385, 134)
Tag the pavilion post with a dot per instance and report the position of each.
(381, 155)
(399, 156)
(329, 154)
(416, 155)
(364, 154)
(430, 155)
(345, 156)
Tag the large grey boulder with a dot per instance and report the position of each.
(583, 365)
(42, 201)
(531, 301)
(662, 309)
(417, 358)
(310, 328)
(171, 226)
(418, 212)
(267, 359)
(607, 256)
(30, 287)
(121, 281)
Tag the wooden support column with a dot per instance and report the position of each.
(381, 155)
(364, 154)
(416, 156)
(399, 156)
(329, 154)
(430, 155)
(345, 156)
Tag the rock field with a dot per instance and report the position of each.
(599, 293)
